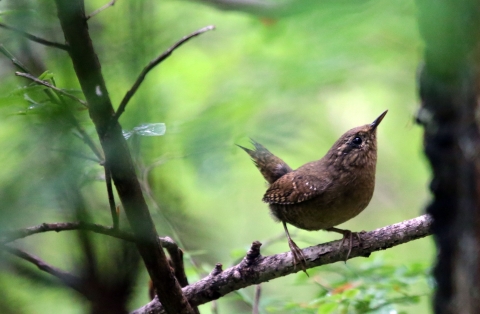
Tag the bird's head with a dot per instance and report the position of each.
(358, 146)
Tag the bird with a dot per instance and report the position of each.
(324, 193)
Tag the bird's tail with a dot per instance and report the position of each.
(271, 167)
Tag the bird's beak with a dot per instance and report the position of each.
(377, 121)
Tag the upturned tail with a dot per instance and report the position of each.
(271, 167)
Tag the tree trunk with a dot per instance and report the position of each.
(448, 86)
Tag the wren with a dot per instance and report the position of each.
(323, 193)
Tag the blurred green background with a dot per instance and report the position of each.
(293, 79)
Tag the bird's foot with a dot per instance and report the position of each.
(347, 234)
(298, 257)
(297, 254)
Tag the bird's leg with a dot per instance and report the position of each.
(297, 254)
(346, 234)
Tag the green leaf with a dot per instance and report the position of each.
(45, 76)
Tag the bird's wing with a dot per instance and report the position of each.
(295, 188)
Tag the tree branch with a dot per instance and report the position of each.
(65, 277)
(256, 300)
(255, 269)
(111, 197)
(10, 236)
(35, 38)
(176, 254)
(105, 6)
(12, 58)
(151, 65)
(71, 14)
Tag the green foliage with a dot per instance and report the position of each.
(373, 287)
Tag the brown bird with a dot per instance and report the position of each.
(324, 193)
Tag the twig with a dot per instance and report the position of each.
(64, 226)
(87, 139)
(256, 300)
(255, 269)
(65, 277)
(45, 83)
(12, 58)
(105, 6)
(13, 235)
(151, 65)
(35, 38)
(176, 256)
(214, 307)
(111, 198)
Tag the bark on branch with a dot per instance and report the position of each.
(255, 269)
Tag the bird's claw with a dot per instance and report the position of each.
(298, 257)
(347, 234)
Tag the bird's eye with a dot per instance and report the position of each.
(357, 141)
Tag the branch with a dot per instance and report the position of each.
(35, 38)
(87, 139)
(173, 250)
(151, 65)
(111, 198)
(65, 277)
(12, 58)
(256, 301)
(176, 254)
(45, 83)
(255, 269)
(71, 14)
(10, 236)
(106, 6)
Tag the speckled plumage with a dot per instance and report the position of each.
(324, 193)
